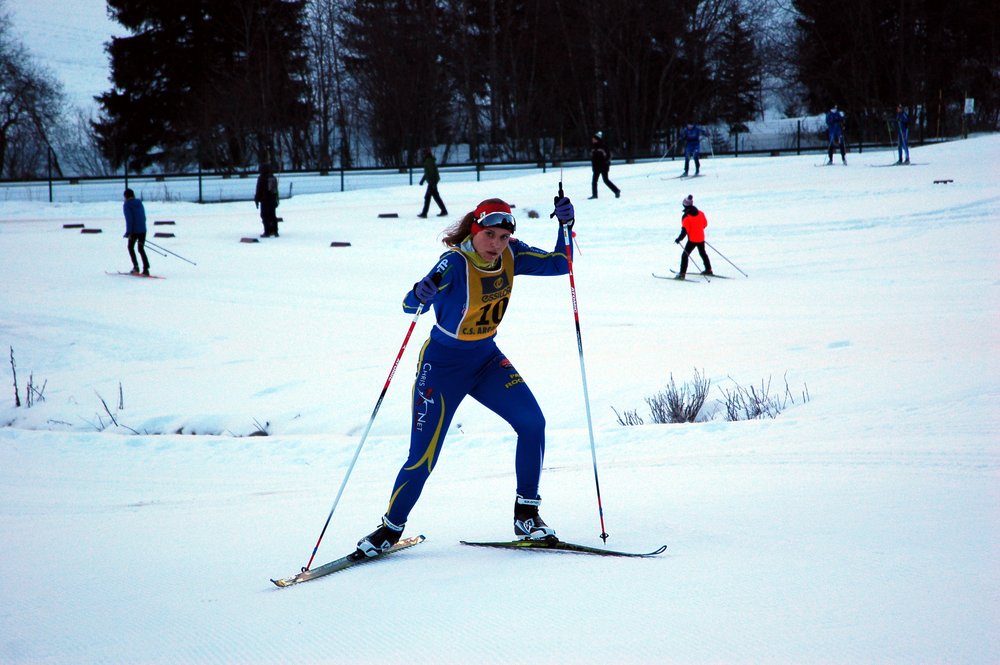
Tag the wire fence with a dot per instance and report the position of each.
(764, 139)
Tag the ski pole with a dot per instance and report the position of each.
(669, 149)
(168, 251)
(727, 260)
(368, 427)
(695, 264)
(568, 242)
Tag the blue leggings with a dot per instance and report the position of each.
(904, 143)
(445, 375)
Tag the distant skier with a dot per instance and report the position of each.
(693, 223)
(835, 133)
(903, 133)
(692, 146)
(266, 199)
(135, 230)
(432, 178)
(600, 163)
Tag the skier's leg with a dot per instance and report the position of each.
(443, 380)
(611, 185)
(427, 201)
(502, 390)
(684, 257)
(142, 252)
(131, 251)
(704, 257)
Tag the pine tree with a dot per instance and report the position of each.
(738, 74)
(217, 82)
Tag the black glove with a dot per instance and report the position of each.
(257, 204)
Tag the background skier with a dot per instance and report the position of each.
(600, 163)
(431, 177)
(692, 146)
(135, 230)
(693, 223)
(266, 199)
(903, 133)
(835, 134)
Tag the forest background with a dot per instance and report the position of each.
(225, 85)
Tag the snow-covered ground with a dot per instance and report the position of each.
(859, 526)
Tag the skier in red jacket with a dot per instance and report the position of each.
(693, 223)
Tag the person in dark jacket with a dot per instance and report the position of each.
(266, 200)
(432, 178)
(135, 230)
(835, 133)
(600, 162)
(693, 223)
(903, 133)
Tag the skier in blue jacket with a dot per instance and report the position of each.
(692, 147)
(903, 133)
(835, 134)
(135, 230)
(470, 288)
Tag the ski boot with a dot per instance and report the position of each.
(380, 539)
(528, 524)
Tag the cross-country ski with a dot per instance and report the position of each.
(555, 545)
(348, 561)
(676, 278)
(134, 274)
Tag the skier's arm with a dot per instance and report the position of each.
(442, 274)
(530, 260)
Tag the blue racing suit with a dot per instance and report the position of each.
(835, 133)
(903, 127)
(460, 357)
(692, 146)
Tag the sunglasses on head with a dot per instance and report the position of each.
(501, 219)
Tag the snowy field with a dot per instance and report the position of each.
(862, 525)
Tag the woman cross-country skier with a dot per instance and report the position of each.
(469, 288)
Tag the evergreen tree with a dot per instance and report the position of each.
(737, 80)
(869, 55)
(217, 82)
(396, 55)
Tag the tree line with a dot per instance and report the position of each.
(226, 85)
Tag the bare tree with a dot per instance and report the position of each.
(30, 102)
